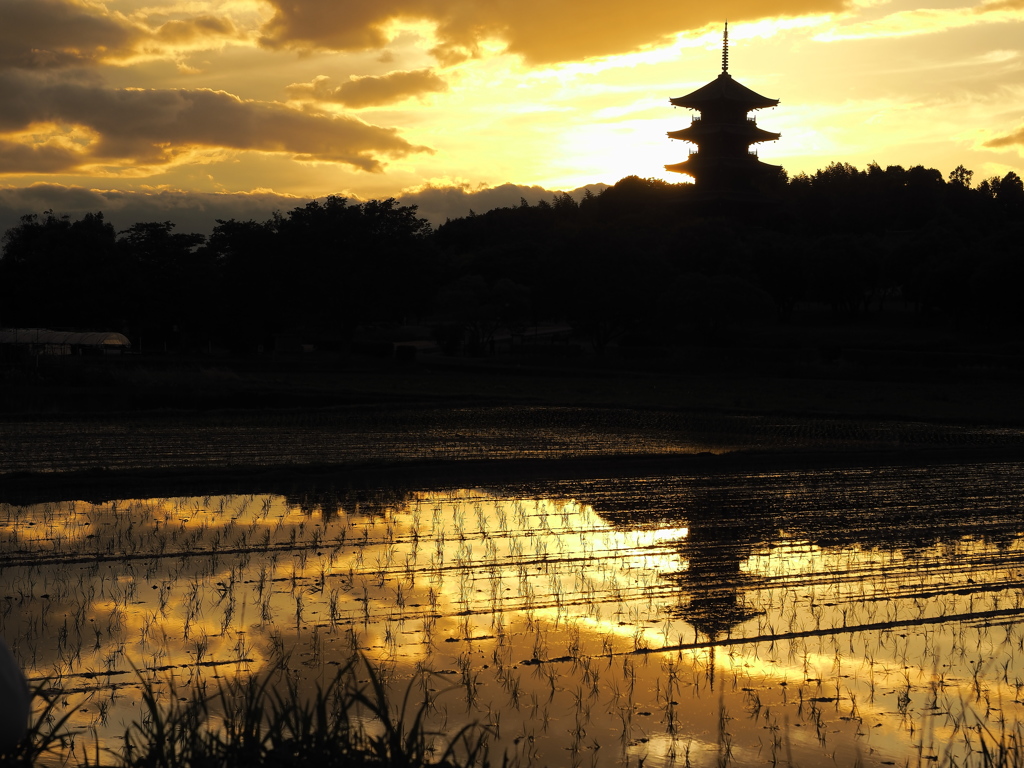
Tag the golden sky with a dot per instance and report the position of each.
(191, 110)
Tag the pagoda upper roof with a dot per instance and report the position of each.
(723, 89)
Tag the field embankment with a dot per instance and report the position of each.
(182, 422)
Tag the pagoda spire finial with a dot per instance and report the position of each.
(725, 49)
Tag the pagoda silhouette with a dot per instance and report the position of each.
(723, 166)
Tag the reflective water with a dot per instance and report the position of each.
(867, 616)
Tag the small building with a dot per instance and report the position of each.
(723, 165)
(39, 341)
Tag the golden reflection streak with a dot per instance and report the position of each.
(417, 582)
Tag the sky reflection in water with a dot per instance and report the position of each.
(867, 615)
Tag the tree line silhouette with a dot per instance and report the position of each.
(643, 262)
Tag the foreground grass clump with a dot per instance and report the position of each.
(267, 721)
(47, 735)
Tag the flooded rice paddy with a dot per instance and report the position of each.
(861, 616)
(296, 438)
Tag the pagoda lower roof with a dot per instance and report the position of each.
(701, 130)
(723, 89)
(699, 162)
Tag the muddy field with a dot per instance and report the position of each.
(862, 615)
(223, 440)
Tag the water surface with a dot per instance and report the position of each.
(863, 615)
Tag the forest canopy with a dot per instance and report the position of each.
(642, 259)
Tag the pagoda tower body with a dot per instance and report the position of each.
(723, 164)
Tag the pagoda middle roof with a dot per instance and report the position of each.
(724, 89)
(745, 130)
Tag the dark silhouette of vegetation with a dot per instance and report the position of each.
(350, 721)
(642, 265)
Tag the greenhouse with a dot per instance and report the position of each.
(38, 341)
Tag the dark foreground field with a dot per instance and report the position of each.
(601, 565)
(178, 422)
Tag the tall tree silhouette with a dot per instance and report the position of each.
(342, 264)
(172, 285)
(60, 273)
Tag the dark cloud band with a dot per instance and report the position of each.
(540, 30)
(48, 34)
(154, 127)
(360, 92)
(199, 211)
(1009, 140)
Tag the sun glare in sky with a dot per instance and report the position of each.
(230, 107)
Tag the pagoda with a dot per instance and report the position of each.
(723, 165)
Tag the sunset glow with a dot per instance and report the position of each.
(191, 111)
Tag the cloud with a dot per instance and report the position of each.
(993, 6)
(46, 34)
(190, 211)
(438, 203)
(58, 34)
(370, 91)
(18, 157)
(200, 211)
(540, 30)
(1017, 137)
(158, 127)
(923, 21)
(179, 32)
